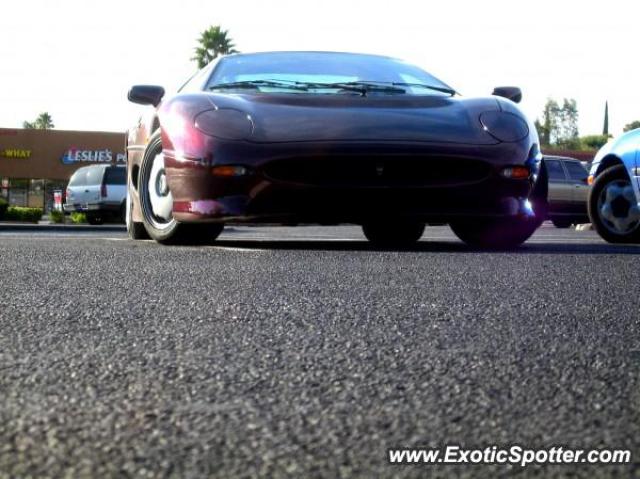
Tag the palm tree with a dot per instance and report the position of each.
(213, 43)
(43, 122)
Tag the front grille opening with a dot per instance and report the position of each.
(378, 171)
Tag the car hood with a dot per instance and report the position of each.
(299, 118)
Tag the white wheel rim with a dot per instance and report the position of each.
(618, 208)
(160, 198)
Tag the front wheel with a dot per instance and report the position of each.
(391, 234)
(156, 203)
(500, 233)
(613, 207)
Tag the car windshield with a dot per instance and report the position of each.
(305, 72)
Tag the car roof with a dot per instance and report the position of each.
(311, 52)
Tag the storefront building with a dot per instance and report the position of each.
(35, 163)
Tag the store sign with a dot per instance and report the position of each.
(17, 153)
(76, 155)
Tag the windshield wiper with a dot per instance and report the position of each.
(362, 86)
(367, 86)
(254, 84)
(307, 85)
(442, 89)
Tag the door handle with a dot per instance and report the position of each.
(86, 191)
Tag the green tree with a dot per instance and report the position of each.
(568, 125)
(547, 128)
(213, 42)
(559, 125)
(631, 126)
(43, 122)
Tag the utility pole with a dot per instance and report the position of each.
(605, 129)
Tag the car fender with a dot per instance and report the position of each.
(622, 150)
(180, 138)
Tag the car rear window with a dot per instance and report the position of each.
(554, 169)
(94, 175)
(576, 171)
(115, 176)
(79, 178)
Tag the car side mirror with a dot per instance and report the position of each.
(512, 93)
(146, 94)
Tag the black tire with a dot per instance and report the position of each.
(168, 231)
(561, 223)
(613, 176)
(503, 233)
(400, 234)
(94, 219)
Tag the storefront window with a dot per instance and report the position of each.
(4, 188)
(18, 192)
(36, 194)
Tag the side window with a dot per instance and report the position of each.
(115, 176)
(94, 176)
(555, 171)
(79, 178)
(576, 171)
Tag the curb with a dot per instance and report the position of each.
(60, 227)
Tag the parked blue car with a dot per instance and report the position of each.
(614, 201)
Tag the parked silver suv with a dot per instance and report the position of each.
(99, 191)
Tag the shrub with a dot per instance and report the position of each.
(77, 218)
(594, 142)
(56, 216)
(3, 208)
(18, 213)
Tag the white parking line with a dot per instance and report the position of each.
(241, 250)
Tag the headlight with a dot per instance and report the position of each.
(504, 126)
(225, 123)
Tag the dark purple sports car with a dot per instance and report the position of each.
(311, 137)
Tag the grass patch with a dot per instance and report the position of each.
(56, 216)
(78, 218)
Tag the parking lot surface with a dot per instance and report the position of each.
(305, 352)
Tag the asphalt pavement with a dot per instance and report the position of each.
(305, 352)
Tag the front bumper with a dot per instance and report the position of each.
(350, 183)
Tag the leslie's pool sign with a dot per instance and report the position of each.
(76, 155)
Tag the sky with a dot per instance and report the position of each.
(77, 59)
